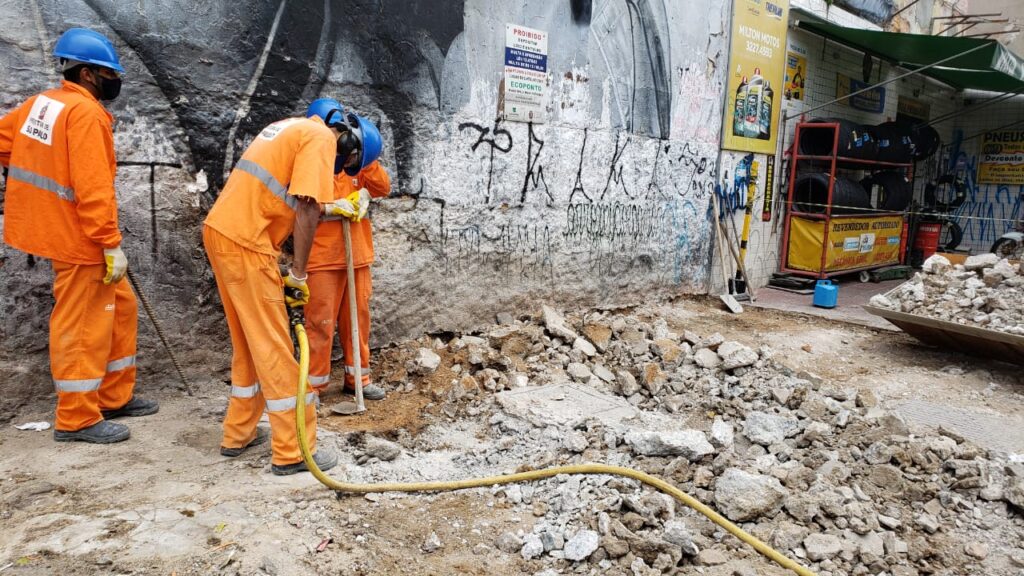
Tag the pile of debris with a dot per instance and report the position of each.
(984, 291)
(822, 473)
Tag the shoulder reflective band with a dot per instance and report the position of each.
(120, 364)
(77, 385)
(48, 184)
(245, 391)
(318, 380)
(288, 403)
(268, 180)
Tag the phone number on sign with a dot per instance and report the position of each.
(760, 49)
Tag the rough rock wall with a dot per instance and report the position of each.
(603, 204)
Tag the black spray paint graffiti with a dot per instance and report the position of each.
(490, 136)
(534, 173)
(516, 251)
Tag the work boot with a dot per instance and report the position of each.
(102, 432)
(135, 407)
(325, 459)
(370, 392)
(262, 435)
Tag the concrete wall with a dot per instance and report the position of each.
(603, 205)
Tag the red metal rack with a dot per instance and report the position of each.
(836, 163)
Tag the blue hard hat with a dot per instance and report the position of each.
(369, 140)
(327, 109)
(89, 47)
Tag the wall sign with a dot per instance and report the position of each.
(1002, 158)
(796, 75)
(526, 74)
(870, 101)
(757, 60)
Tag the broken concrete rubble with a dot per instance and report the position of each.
(985, 291)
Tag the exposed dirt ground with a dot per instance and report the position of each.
(165, 502)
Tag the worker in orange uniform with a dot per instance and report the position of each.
(275, 191)
(328, 281)
(58, 150)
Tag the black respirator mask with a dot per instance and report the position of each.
(348, 141)
(109, 88)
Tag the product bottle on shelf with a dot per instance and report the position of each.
(765, 112)
(739, 115)
(750, 125)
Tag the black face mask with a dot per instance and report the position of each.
(109, 88)
(347, 143)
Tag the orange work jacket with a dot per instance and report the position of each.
(290, 158)
(58, 147)
(328, 252)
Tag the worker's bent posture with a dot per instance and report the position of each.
(274, 191)
(58, 148)
(328, 308)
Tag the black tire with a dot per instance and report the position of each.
(894, 142)
(1006, 248)
(855, 141)
(953, 235)
(926, 141)
(811, 195)
(896, 191)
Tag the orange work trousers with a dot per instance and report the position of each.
(92, 344)
(328, 310)
(264, 372)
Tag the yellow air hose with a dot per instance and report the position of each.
(657, 483)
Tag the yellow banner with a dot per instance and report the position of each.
(757, 65)
(1002, 158)
(853, 243)
(796, 75)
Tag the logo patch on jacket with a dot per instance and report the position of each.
(271, 132)
(41, 119)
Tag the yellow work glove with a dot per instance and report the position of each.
(117, 264)
(296, 293)
(353, 207)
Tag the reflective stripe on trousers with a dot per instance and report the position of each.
(352, 370)
(40, 181)
(268, 180)
(88, 385)
(120, 364)
(319, 380)
(285, 404)
(245, 391)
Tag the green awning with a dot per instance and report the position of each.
(990, 66)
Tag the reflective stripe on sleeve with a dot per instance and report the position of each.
(284, 404)
(245, 391)
(39, 181)
(120, 364)
(88, 385)
(268, 180)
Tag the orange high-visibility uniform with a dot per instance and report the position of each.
(328, 283)
(58, 148)
(252, 217)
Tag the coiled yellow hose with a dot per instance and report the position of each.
(657, 483)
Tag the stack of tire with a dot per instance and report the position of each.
(892, 142)
(895, 142)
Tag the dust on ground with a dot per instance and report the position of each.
(166, 503)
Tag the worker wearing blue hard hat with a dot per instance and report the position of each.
(359, 176)
(58, 148)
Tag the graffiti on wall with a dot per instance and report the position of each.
(989, 211)
(611, 194)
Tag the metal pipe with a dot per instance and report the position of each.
(891, 80)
